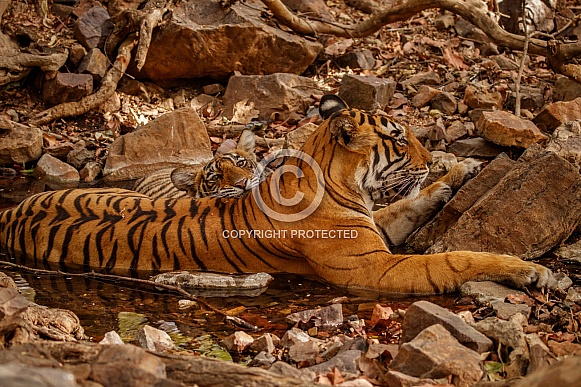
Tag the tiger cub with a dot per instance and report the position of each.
(229, 174)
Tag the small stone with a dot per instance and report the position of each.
(93, 28)
(76, 53)
(345, 361)
(79, 157)
(294, 336)
(506, 310)
(566, 89)
(475, 147)
(434, 353)
(20, 145)
(574, 295)
(264, 343)
(557, 114)
(328, 316)
(540, 355)
(55, 173)
(483, 99)
(239, 341)
(66, 87)
(366, 92)
(90, 171)
(304, 352)
(455, 131)
(506, 129)
(422, 314)
(563, 282)
(424, 96)
(95, 63)
(427, 78)
(444, 102)
(111, 337)
(487, 292)
(213, 88)
(154, 339)
(263, 359)
(381, 315)
(357, 60)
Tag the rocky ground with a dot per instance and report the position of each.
(436, 73)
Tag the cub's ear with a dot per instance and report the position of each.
(184, 178)
(330, 104)
(247, 143)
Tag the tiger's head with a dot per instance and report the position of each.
(393, 161)
(227, 175)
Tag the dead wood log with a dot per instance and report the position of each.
(559, 54)
(108, 87)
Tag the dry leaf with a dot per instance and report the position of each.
(454, 59)
(338, 48)
(244, 112)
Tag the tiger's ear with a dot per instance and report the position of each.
(330, 104)
(247, 143)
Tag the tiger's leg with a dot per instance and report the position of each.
(398, 220)
(364, 262)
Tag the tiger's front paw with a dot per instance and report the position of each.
(461, 172)
(528, 273)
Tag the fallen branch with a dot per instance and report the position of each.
(175, 289)
(401, 10)
(108, 87)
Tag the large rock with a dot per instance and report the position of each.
(20, 145)
(173, 139)
(203, 39)
(280, 94)
(506, 129)
(434, 353)
(535, 207)
(465, 198)
(564, 373)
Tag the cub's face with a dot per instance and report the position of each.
(229, 175)
(396, 163)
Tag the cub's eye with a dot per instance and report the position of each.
(241, 163)
(401, 141)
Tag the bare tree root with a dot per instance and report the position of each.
(108, 87)
(15, 65)
(559, 54)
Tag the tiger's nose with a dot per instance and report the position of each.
(241, 183)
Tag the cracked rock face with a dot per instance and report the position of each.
(204, 40)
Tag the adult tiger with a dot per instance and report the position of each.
(227, 175)
(360, 157)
